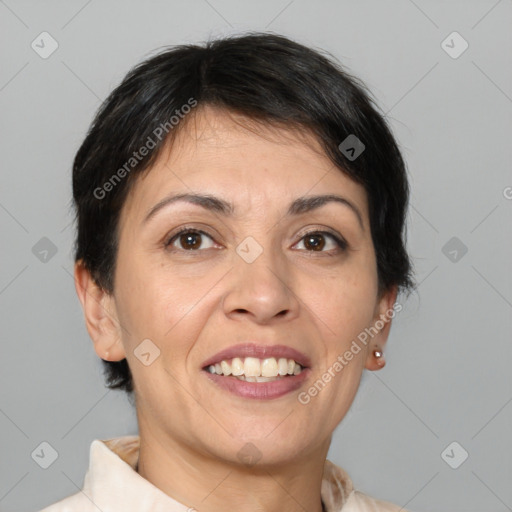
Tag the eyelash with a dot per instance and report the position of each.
(340, 242)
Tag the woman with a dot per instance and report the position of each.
(240, 247)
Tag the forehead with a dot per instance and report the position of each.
(228, 155)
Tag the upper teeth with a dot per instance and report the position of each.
(254, 367)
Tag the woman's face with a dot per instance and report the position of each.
(249, 276)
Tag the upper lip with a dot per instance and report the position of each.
(259, 351)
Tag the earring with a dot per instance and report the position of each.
(106, 355)
(379, 355)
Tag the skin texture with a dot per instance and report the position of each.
(194, 303)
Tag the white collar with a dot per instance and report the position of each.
(111, 478)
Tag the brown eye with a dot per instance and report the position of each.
(316, 242)
(189, 240)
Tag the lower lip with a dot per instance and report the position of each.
(260, 390)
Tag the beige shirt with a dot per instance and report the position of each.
(112, 484)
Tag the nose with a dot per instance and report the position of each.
(261, 290)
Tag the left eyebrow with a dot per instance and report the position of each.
(299, 206)
(309, 203)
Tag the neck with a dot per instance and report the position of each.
(209, 484)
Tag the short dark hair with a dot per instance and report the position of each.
(267, 78)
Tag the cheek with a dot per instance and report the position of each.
(345, 300)
(155, 297)
(167, 308)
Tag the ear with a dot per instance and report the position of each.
(380, 327)
(100, 315)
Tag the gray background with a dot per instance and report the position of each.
(448, 372)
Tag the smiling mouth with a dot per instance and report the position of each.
(253, 369)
